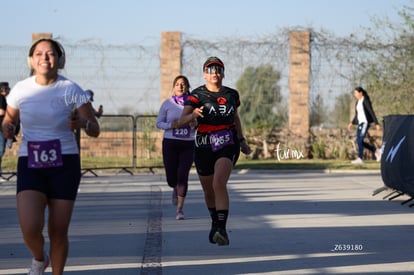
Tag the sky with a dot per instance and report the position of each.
(134, 21)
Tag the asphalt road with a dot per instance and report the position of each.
(295, 222)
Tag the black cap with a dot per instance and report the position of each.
(213, 60)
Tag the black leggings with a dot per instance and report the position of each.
(178, 157)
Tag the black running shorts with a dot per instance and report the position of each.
(205, 158)
(56, 182)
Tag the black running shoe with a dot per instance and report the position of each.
(220, 237)
(212, 231)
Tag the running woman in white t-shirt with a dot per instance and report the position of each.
(50, 107)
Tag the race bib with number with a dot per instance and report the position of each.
(181, 132)
(220, 139)
(44, 154)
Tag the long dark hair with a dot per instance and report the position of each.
(363, 91)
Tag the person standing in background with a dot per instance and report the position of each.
(4, 91)
(50, 108)
(177, 144)
(364, 116)
(218, 142)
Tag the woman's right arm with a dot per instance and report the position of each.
(188, 115)
(162, 122)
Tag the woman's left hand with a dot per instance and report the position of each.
(245, 148)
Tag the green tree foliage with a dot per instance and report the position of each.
(389, 76)
(318, 111)
(383, 63)
(261, 100)
(343, 110)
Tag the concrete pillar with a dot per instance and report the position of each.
(299, 84)
(170, 61)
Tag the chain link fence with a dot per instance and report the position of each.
(126, 81)
(126, 78)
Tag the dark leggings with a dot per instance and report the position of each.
(361, 133)
(178, 157)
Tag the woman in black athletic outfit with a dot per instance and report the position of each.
(218, 142)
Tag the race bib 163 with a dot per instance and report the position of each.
(44, 154)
